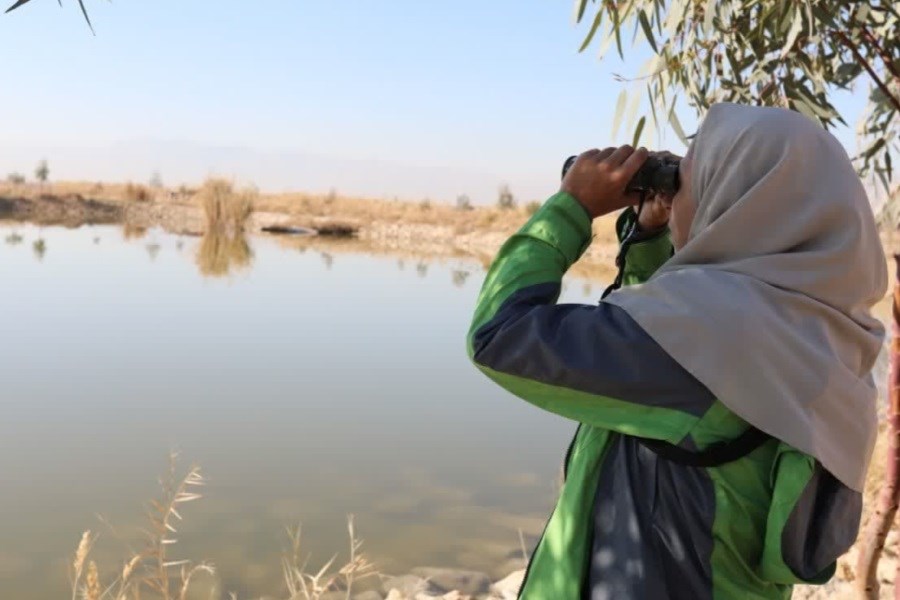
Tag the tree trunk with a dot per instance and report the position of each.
(879, 524)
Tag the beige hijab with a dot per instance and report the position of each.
(768, 303)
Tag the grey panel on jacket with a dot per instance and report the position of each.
(822, 526)
(596, 349)
(652, 528)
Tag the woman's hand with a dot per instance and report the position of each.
(655, 214)
(598, 178)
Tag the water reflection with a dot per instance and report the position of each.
(328, 259)
(39, 247)
(460, 277)
(14, 239)
(96, 240)
(220, 254)
(422, 269)
(133, 232)
(153, 250)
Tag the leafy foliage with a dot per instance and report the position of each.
(792, 54)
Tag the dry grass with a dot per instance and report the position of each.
(155, 574)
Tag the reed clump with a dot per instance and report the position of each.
(226, 209)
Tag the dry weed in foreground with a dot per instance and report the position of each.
(154, 574)
(150, 570)
(325, 580)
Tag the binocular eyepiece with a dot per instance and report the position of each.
(657, 175)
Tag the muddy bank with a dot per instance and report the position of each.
(71, 210)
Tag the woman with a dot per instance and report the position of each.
(724, 395)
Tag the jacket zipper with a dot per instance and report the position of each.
(569, 451)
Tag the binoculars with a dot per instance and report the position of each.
(657, 175)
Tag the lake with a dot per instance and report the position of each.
(307, 383)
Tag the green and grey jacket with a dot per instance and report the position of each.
(630, 523)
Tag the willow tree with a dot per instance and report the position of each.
(794, 54)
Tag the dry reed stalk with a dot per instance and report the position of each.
(91, 583)
(81, 554)
(188, 574)
(314, 586)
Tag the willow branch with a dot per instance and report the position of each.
(881, 85)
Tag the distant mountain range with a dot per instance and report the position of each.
(187, 162)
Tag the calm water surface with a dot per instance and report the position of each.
(308, 385)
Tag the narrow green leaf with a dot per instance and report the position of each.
(17, 5)
(674, 18)
(633, 106)
(657, 6)
(793, 33)
(870, 152)
(638, 131)
(581, 4)
(652, 105)
(620, 111)
(814, 104)
(709, 14)
(84, 12)
(676, 126)
(616, 27)
(648, 31)
(598, 19)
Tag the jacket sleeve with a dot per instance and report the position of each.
(590, 363)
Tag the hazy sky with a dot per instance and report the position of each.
(461, 95)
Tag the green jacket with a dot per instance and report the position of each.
(628, 523)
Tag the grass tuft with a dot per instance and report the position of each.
(226, 209)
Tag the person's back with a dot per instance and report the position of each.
(726, 409)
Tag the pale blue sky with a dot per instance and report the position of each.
(468, 94)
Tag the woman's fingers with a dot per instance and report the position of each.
(620, 155)
(633, 163)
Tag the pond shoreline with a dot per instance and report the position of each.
(396, 229)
